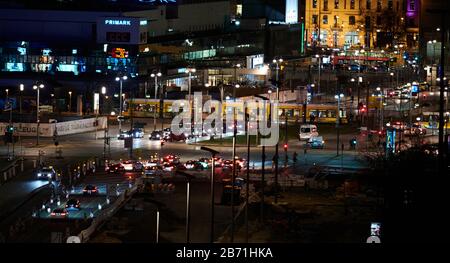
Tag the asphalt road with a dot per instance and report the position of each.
(82, 146)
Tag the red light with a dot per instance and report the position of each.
(285, 146)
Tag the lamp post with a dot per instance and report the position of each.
(120, 79)
(213, 154)
(276, 146)
(70, 101)
(155, 76)
(338, 120)
(320, 66)
(235, 73)
(37, 88)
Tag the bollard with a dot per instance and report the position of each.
(5, 176)
(21, 165)
(34, 163)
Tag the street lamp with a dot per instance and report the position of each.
(70, 101)
(120, 79)
(21, 89)
(338, 119)
(37, 88)
(277, 62)
(155, 76)
(235, 72)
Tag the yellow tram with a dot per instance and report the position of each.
(320, 113)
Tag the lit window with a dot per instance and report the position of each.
(238, 10)
(351, 20)
(352, 4)
(325, 19)
(314, 3)
(336, 4)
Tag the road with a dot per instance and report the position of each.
(78, 147)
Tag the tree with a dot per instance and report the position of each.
(385, 23)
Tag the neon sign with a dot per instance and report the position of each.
(118, 22)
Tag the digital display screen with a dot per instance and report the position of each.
(118, 36)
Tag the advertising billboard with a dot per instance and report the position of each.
(291, 12)
(121, 30)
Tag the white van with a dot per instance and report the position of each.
(307, 131)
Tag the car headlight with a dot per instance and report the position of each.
(49, 175)
(39, 174)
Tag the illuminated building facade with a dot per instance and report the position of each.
(362, 23)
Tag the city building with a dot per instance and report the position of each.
(362, 23)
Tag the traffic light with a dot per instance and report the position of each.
(9, 134)
(362, 107)
(285, 146)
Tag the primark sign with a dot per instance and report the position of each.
(117, 22)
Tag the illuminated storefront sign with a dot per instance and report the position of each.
(118, 22)
(119, 53)
(291, 11)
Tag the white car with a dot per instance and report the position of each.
(132, 166)
(307, 131)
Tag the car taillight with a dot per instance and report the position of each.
(63, 214)
(53, 214)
